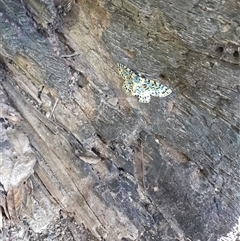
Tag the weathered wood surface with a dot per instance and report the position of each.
(167, 170)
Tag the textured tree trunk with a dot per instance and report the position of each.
(80, 159)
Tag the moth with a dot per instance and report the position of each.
(137, 85)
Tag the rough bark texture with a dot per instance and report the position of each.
(167, 170)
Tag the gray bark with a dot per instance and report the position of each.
(165, 170)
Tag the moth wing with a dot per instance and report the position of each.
(124, 71)
(128, 87)
(159, 89)
(164, 91)
(144, 97)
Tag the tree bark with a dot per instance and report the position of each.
(74, 146)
